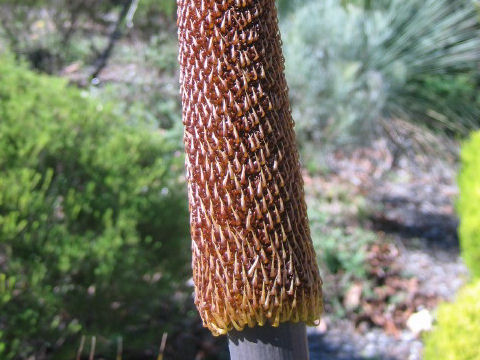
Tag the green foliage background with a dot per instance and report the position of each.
(93, 221)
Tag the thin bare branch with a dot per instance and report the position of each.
(92, 348)
(161, 350)
(80, 348)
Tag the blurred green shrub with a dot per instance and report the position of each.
(285, 7)
(342, 250)
(469, 203)
(150, 8)
(93, 222)
(350, 70)
(457, 333)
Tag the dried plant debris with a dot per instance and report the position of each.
(253, 259)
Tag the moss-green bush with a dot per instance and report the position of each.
(457, 333)
(469, 204)
(93, 222)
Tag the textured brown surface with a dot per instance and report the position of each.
(253, 259)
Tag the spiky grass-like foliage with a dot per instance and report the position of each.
(349, 67)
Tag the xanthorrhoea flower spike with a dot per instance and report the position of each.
(253, 258)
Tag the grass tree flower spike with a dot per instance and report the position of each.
(253, 258)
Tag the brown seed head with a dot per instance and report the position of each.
(253, 259)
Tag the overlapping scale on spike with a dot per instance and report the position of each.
(253, 259)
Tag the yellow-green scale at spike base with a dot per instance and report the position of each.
(253, 258)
